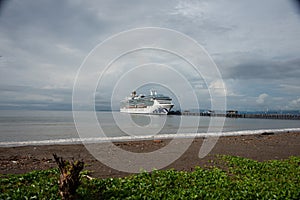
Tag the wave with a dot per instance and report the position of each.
(144, 137)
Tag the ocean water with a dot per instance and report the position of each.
(19, 128)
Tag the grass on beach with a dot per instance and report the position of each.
(230, 177)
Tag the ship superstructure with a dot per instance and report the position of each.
(146, 104)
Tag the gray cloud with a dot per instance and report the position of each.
(26, 97)
(255, 44)
(262, 69)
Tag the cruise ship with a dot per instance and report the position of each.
(147, 104)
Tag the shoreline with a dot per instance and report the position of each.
(261, 147)
(73, 141)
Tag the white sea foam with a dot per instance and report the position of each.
(146, 137)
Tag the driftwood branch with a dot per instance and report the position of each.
(88, 177)
(69, 179)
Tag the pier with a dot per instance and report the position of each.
(238, 115)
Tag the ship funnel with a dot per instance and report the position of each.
(133, 94)
(153, 92)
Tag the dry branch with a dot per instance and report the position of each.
(69, 179)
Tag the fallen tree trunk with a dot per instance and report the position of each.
(69, 177)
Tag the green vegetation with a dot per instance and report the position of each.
(235, 178)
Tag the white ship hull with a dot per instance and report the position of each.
(151, 104)
(159, 109)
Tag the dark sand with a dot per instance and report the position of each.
(16, 160)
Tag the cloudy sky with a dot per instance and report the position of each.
(255, 45)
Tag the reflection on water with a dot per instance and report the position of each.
(137, 124)
(141, 120)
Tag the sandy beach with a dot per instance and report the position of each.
(16, 160)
